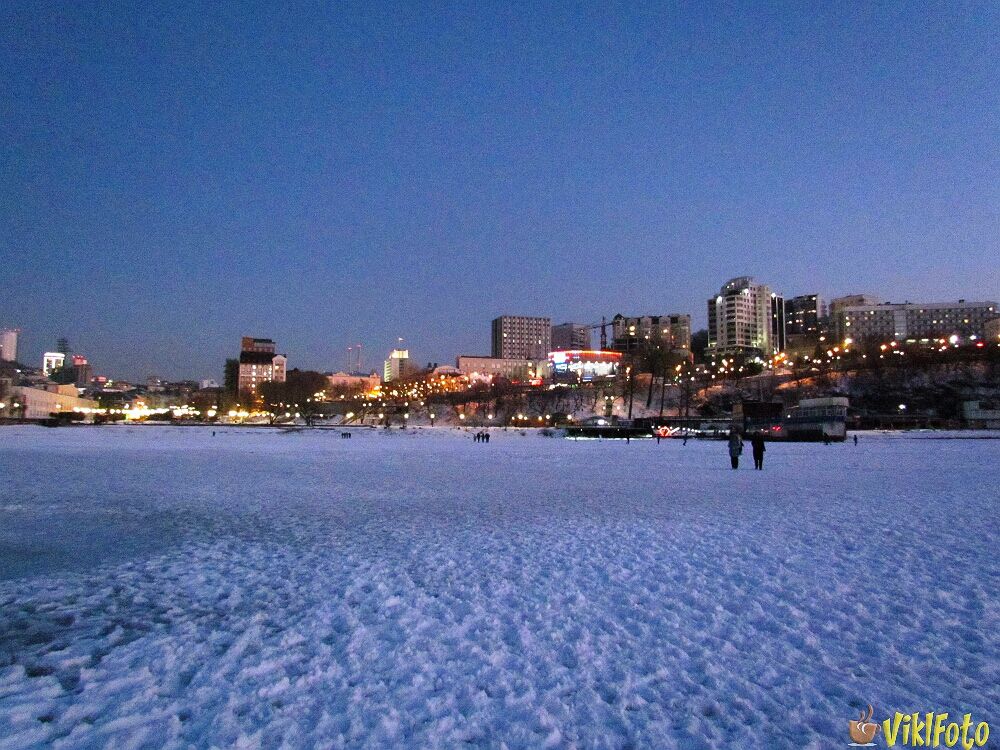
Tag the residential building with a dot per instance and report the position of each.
(259, 364)
(8, 344)
(805, 324)
(486, 368)
(882, 323)
(746, 318)
(804, 315)
(835, 320)
(52, 361)
(520, 337)
(567, 336)
(397, 365)
(639, 334)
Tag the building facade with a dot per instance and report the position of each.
(566, 336)
(642, 333)
(259, 364)
(520, 337)
(486, 368)
(746, 318)
(837, 304)
(804, 315)
(397, 365)
(344, 382)
(44, 403)
(865, 325)
(52, 361)
(8, 344)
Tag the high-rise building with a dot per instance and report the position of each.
(397, 365)
(804, 315)
(570, 336)
(887, 322)
(8, 344)
(520, 337)
(52, 361)
(259, 364)
(83, 370)
(639, 334)
(746, 318)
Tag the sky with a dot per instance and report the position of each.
(176, 175)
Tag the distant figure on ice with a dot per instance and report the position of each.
(735, 447)
(486, 436)
(855, 439)
(757, 444)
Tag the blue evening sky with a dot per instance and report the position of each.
(176, 175)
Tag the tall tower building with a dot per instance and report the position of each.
(570, 336)
(746, 318)
(804, 315)
(396, 366)
(8, 344)
(520, 337)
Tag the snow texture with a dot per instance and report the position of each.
(161, 587)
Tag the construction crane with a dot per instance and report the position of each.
(603, 325)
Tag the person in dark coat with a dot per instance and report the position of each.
(735, 447)
(757, 444)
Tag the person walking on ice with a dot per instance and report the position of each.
(735, 447)
(757, 443)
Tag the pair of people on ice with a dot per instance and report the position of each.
(736, 448)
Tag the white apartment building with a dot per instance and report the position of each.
(746, 317)
(397, 365)
(52, 361)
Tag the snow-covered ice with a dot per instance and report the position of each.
(160, 587)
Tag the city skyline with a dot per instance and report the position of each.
(389, 172)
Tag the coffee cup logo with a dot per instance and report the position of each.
(863, 731)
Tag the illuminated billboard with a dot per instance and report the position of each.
(583, 366)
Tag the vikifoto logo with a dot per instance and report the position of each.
(913, 730)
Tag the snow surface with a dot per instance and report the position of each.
(160, 587)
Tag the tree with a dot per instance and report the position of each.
(65, 375)
(301, 393)
(699, 343)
